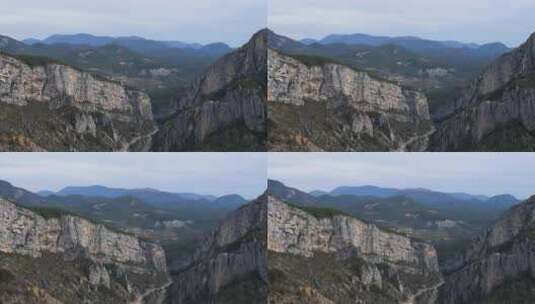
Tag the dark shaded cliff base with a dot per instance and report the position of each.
(50, 256)
(36, 127)
(315, 127)
(236, 137)
(226, 140)
(51, 279)
(325, 278)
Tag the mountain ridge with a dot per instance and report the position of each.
(93, 40)
(366, 39)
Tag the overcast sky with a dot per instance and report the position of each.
(508, 21)
(475, 173)
(202, 173)
(204, 21)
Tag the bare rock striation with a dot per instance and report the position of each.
(50, 106)
(500, 266)
(230, 266)
(225, 107)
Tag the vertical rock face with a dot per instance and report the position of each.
(317, 105)
(497, 112)
(108, 256)
(225, 108)
(500, 266)
(50, 106)
(367, 264)
(230, 265)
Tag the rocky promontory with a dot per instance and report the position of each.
(497, 112)
(499, 267)
(309, 249)
(51, 106)
(230, 265)
(103, 263)
(225, 107)
(318, 105)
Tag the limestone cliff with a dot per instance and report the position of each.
(51, 106)
(500, 266)
(310, 250)
(225, 107)
(497, 112)
(230, 265)
(318, 105)
(104, 262)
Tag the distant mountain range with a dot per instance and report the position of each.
(163, 69)
(130, 209)
(409, 42)
(102, 191)
(149, 195)
(444, 219)
(96, 41)
(439, 69)
(417, 193)
(66, 197)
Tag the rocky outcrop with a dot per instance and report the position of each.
(55, 107)
(319, 105)
(230, 265)
(110, 257)
(497, 262)
(497, 112)
(225, 107)
(370, 262)
(292, 230)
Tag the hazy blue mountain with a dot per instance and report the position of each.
(318, 193)
(410, 42)
(440, 218)
(79, 39)
(423, 196)
(426, 196)
(506, 200)
(146, 194)
(98, 191)
(133, 42)
(182, 45)
(365, 191)
(122, 208)
(31, 41)
(308, 41)
(356, 39)
(288, 194)
(12, 193)
(10, 45)
(280, 42)
(231, 200)
(467, 196)
(45, 193)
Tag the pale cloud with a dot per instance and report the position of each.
(477, 173)
(205, 173)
